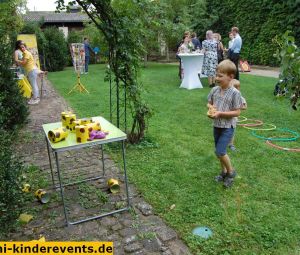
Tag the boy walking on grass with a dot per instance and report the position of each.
(224, 103)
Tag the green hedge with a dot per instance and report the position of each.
(10, 187)
(259, 22)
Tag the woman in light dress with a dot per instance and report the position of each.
(186, 46)
(210, 62)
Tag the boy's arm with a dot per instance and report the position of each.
(230, 114)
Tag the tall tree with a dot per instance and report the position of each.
(120, 24)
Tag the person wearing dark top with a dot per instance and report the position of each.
(87, 49)
(196, 42)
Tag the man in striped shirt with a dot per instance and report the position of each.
(224, 103)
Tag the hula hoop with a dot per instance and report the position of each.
(297, 135)
(263, 129)
(242, 120)
(258, 123)
(282, 148)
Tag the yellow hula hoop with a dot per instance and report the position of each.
(242, 120)
(272, 127)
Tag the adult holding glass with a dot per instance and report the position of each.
(210, 62)
(235, 50)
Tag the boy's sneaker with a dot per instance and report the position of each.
(228, 180)
(220, 177)
(232, 147)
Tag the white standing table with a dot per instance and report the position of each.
(192, 65)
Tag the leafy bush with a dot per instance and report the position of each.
(75, 37)
(13, 113)
(13, 110)
(34, 28)
(10, 191)
(259, 22)
(56, 50)
(288, 54)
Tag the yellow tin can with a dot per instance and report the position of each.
(26, 188)
(73, 125)
(113, 185)
(82, 134)
(42, 196)
(58, 134)
(93, 126)
(63, 118)
(69, 119)
(85, 121)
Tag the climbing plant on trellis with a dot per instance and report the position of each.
(120, 25)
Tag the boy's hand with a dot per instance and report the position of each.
(211, 111)
(215, 115)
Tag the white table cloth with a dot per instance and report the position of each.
(192, 65)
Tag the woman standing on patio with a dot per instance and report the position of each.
(210, 62)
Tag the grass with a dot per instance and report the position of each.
(177, 165)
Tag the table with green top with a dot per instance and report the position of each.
(114, 135)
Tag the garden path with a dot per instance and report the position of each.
(138, 231)
(264, 71)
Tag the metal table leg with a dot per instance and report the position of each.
(50, 162)
(125, 173)
(102, 159)
(61, 188)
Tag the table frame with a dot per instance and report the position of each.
(61, 186)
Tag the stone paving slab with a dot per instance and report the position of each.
(138, 231)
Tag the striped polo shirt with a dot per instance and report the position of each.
(230, 101)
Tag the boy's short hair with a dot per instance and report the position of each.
(235, 83)
(227, 67)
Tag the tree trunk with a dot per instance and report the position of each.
(167, 53)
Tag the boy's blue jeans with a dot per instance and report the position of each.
(222, 138)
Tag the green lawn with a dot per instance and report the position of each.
(259, 215)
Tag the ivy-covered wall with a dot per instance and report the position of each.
(259, 22)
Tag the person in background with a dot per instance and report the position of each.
(220, 49)
(231, 37)
(31, 70)
(87, 49)
(18, 55)
(224, 102)
(236, 83)
(196, 42)
(210, 61)
(186, 45)
(186, 34)
(235, 50)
